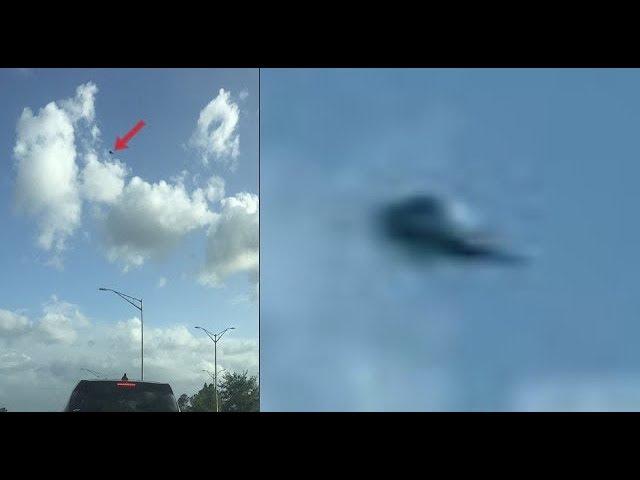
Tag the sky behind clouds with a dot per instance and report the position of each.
(547, 158)
(169, 220)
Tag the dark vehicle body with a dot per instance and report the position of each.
(121, 396)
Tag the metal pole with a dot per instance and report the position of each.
(215, 369)
(214, 338)
(91, 371)
(141, 345)
(128, 299)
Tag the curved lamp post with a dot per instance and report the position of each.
(93, 372)
(137, 303)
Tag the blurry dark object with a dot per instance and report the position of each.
(426, 225)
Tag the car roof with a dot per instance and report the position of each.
(119, 380)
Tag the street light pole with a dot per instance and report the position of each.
(214, 379)
(215, 372)
(91, 371)
(131, 300)
(214, 338)
(210, 374)
(141, 344)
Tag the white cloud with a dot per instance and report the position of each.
(59, 323)
(95, 133)
(143, 219)
(179, 178)
(215, 135)
(162, 281)
(243, 94)
(46, 185)
(45, 152)
(82, 106)
(40, 375)
(14, 362)
(13, 324)
(232, 240)
(148, 219)
(139, 220)
(55, 262)
(45, 358)
(102, 181)
(214, 189)
(57, 328)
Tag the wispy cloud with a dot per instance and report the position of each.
(215, 136)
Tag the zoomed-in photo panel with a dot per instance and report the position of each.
(450, 239)
(129, 212)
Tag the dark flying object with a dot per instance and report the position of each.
(427, 225)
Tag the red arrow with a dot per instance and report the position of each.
(121, 143)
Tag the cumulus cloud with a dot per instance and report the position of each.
(232, 240)
(139, 220)
(45, 153)
(13, 324)
(215, 135)
(82, 106)
(174, 352)
(102, 181)
(46, 184)
(59, 323)
(58, 169)
(14, 362)
(40, 375)
(55, 328)
(214, 189)
(150, 218)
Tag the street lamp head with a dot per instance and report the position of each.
(103, 289)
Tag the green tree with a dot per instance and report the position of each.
(236, 393)
(204, 400)
(239, 393)
(184, 402)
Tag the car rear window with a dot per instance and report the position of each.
(120, 396)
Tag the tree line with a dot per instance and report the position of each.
(237, 392)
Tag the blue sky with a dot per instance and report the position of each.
(164, 260)
(547, 158)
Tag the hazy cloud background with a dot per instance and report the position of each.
(547, 157)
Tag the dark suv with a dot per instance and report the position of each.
(121, 396)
